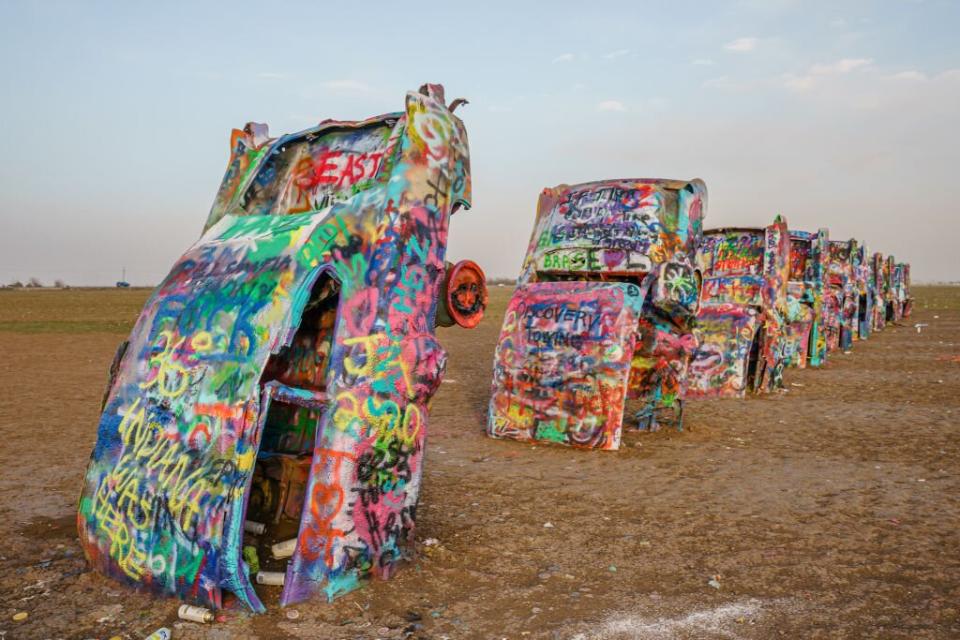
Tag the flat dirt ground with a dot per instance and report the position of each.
(829, 511)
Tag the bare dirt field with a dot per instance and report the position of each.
(829, 511)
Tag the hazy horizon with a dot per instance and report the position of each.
(842, 115)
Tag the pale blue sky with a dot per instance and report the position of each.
(116, 116)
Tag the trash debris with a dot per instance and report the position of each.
(714, 582)
(284, 549)
(612, 568)
(431, 542)
(548, 525)
(195, 614)
(275, 578)
(252, 559)
(796, 384)
(256, 528)
(920, 325)
(160, 634)
(20, 616)
(292, 614)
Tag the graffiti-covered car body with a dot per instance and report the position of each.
(840, 307)
(864, 287)
(900, 290)
(806, 342)
(741, 322)
(907, 296)
(280, 373)
(880, 290)
(602, 311)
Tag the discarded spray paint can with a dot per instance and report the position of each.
(271, 577)
(284, 549)
(160, 634)
(256, 528)
(195, 614)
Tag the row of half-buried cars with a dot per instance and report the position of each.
(623, 295)
(275, 387)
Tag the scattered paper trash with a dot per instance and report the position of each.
(160, 634)
(714, 582)
(548, 525)
(284, 549)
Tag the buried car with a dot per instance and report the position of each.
(841, 297)
(806, 342)
(602, 312)
(881, 290)
(275, 385)
(741, 323)
(902, 300)
(864, 287)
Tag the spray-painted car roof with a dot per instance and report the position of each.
(334, 161)
(841, 250)
(732, 251)
(802, 245)
(623, 226)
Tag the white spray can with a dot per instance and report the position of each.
(195, 614)
(271, 577)
(256, 528)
